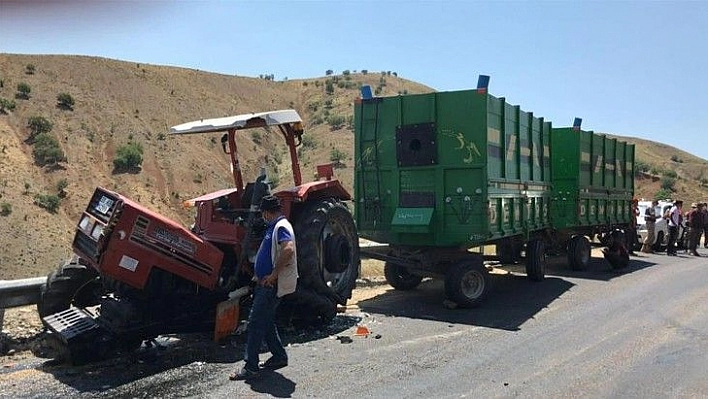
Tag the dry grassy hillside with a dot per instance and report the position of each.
(661, 161)
(116, 102)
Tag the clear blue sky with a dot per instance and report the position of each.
(634, 68)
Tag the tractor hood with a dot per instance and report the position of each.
(244, 121)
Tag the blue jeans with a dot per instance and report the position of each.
(261, 326)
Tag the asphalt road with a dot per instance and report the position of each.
(641, 332)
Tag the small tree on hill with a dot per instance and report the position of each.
(128, 157)
(61, 188)
(6, 105)
(23, 91)
(337, 156)
(65, 101)
(49, 202)
(5, 209)
(38, 125)
(47, 151)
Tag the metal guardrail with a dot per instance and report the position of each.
(21, 292)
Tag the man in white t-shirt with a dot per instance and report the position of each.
(675, 215)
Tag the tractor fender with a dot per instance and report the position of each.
(312, 191)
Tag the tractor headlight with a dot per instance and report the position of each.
(85, 224)
(97, 231)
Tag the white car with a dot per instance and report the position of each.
(661, 230)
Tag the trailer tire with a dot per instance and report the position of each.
(579, 252)
(70, 284)
(327, 256)
(399, 278)
(536, 260)
(467, 283)
(508, 250)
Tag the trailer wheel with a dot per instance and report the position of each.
(508, 251)
(71, 284)
(327, 256)
(399, 278)
(579, 253)
(536, 260)
(467, 283)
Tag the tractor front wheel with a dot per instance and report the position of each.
(71, 284)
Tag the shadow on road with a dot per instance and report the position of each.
(274, 384)
(598, 268)
(179, 352)
(513, 300)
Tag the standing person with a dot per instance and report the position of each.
(632, 231)
(674, 223)
(705, 225)
(275, 273)
(695, 225)
(650, 219)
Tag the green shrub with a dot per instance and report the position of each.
(336, 121)
(257, 137)
(337, 156)
(23, 91)
(62, 185)
(47, 151)
(667, 183)
(38, 125)
(329, 87)
(6, 105)
(49, 202)
(641, 166)
(29, 69)
(670, 173)
(128, 156)
(675, 158)
(309, 142)
(5, 209)
(663, 194)
(65, 101)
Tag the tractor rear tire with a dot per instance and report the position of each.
(536, 260)
(400, 278)
(71, 284)
(579, 253)
(467, 283)
(327, 256)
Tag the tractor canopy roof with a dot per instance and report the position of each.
(245, 121)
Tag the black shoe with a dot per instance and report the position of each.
(244, 374)
(695, 254)
(274, 364)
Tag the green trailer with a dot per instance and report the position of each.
(437, 174)
(593, 186)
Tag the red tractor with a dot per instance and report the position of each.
(136, 274)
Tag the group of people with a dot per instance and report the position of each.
(696, 222)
